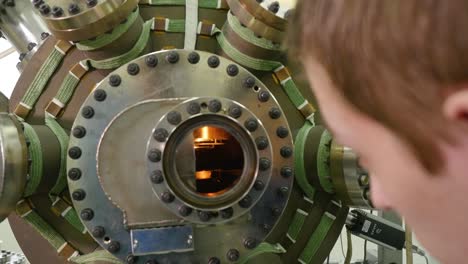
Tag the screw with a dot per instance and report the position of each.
(286, 172)
(214, 106)
(274, 7)
(31, 46)
(167, 197)
(133, 69)
(265, 164)
(213, 61)
(193, 108)
(22, 55)
(44, 35)
(87, 214)
(157, 177)
(246, 202)
(79, 195)
(276, 211)
(152, 61)
(235, 111)
(74, 153)
(74, 174)
(227, 213)
(160, 134)
(172, 57)
(264, 96)
(233, 255)
(44, 9)
(251, 124)
(232, 70)
(249, 82)
(364, 180)
(259, 185)
(262, 143)
(185, 210)
(114, 247)
(193, 58)
(37, 3)
(73, 9)
(282, 132)
(131, 259)
(214, 260)
(204, 216)
(154, 155)
(174, 118)
(115, 80)
(266, 228)
(87, 112)
(286, 152)
(283, 192)
(100, 95)
(98, 232)
(91, 3)
(79, 132)
(275, 113)
(250, 243)
(57, 11)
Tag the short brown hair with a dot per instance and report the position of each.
(392, 60)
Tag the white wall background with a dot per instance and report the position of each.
(8, 77)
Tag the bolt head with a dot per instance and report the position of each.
(155, 155)
(157, 177)
(74, 153)
(44, 35)
(160, 135)
(214, 260)
(265, 164)
(185, 211)
(249, 82)
(133, 69)
(87, 214)
(98, 232)
(251, 124)
(227, 213)
(283, 192)
(275, 113)
(37, 3)
(167, 197)
(274, 7)
(263, 96)
(287, 172)
(57, 11)
(87, 112)
(204, 216)
(250, 243)
(74, 174)
(286, 152)
(79, 132)
(193, 108)
(44, 9)
(214, 106)
(246, 202)
(259, 185)
(174, 118)
(132, 259)
(235, 111)
(233, 255)
(276, 211)
(115, 80)
(91, 3)
(73, 9)
(282, 132)
(100, 95)
(232, 70)
(152, 61)
(79, 195)
(113, 247)
(193, 58)
(213, 61)
(172, 57)
(262, 143)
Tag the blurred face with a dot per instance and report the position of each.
(436, 206)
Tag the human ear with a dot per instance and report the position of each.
(455, 106)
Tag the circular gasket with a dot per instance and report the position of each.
(169, 82)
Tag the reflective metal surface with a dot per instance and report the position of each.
(21, 25)
(13, 166)
(162, 240)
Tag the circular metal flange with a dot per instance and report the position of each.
(14, 164)
(82, 20)
(161, 77)
(243, 196)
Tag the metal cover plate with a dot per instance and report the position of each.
(162, 240)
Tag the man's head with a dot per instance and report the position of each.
(391, 78)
